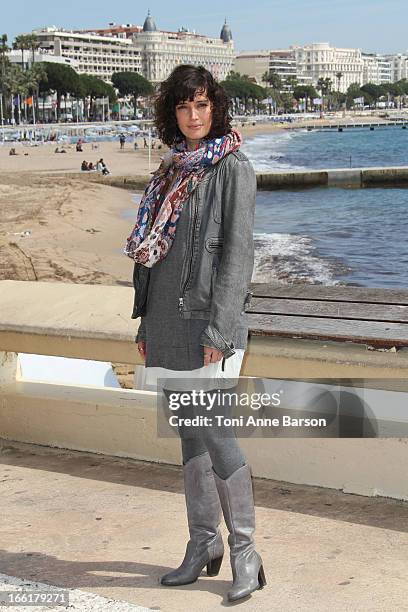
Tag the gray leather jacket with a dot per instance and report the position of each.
(217, 273)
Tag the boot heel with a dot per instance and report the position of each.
(213, 567)
(261, 577)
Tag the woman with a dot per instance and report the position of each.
(193, 251)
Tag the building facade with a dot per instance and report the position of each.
(26, 60)
(254, 64)
(162, 51)
(319, 60)
(376, 69)
(146, 50)
(280, 61)
(305, 65)
(284, 63)
(399, 66)
(94, 54)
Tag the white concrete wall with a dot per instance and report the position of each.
(123, 423)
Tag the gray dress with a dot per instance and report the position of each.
(171, 341)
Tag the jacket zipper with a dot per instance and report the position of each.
(181, 298)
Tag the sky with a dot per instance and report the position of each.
(372, 25)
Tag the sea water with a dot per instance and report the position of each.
(331, 236)
(300, 149)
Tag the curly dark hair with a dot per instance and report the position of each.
(182, 84)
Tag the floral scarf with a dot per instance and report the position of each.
(170, 186)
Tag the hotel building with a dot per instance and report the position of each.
(320, 60)
(282, 61)
(254, 64)
(399, 66)
(376, 69)
(308, 63)
(146, 50)
(93, 54)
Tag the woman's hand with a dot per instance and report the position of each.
(141, 347)
(211, 355)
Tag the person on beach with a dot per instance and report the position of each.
(101, 167)
(193, 253)
(122, 140)
(88, 166)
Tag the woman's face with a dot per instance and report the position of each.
(194, 118)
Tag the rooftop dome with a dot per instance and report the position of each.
(149, 25)
(226, 34)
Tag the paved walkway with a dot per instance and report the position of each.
(109, 528)
(17, 591)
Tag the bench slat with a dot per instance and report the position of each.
(305, 291)
(330, 309)
(319, 328)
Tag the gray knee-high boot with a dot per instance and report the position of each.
(205, 547)
(237, 503)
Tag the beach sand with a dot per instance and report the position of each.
(64, 230)
(76, 228)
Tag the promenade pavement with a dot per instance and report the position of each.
(107, 528)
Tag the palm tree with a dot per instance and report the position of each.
(291, 82)
(33, 77)
(325, 85)
(33, 43)
(273, 78)
(3, 51)
(276, 85)
(18, 82)
(338, 77)
(14, 83)
(22, 42)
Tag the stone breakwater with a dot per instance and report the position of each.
(268, 181)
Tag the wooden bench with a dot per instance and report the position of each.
(377, 317)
